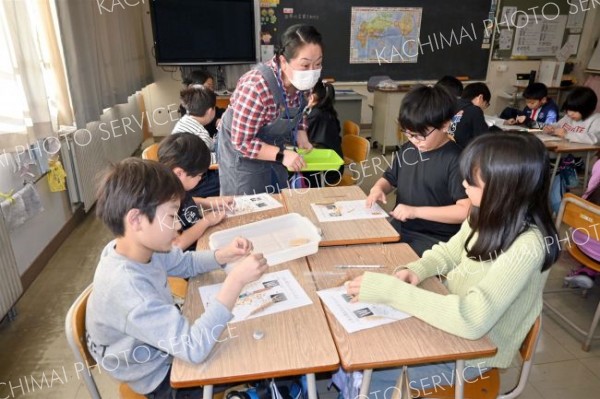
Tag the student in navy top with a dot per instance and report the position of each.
(452, 84)
(431, 202)
(540, 110)
(469, 121)
(324, 127)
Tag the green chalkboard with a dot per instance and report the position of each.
(451, 37)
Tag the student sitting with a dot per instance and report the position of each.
(495, 267)
(199, 103)
(580, 124)
(203, 78)
(133, 327)
(187, 156)
(469, 122)
(453, 85)
(540, 110)
(324, 127)
(430, 200)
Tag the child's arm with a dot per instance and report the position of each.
(378, 192)
(191, 235)
(214, 202)
(470, 316)
(159, 323)
(451, 214)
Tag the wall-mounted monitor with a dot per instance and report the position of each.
(205, 32)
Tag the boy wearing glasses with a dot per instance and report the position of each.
(469, 121)
(189, 158)
(431, 202)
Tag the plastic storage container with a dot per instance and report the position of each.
(280, 239)
(321, 159)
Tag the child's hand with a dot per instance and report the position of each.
(375, 195)
(521, 118)
(510, 121)
(249, 269)
(303, 142)
(560, 132)
(548, 129)
(408, 276)
(213, 218)
(353, 287)
(236, 250)
(404, 212)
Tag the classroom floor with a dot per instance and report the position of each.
(34, 345)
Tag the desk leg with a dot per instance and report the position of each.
(366, 383)
(459, 387)
(207, 392)
(311, 383)
(555, 169)
(586, 174)
(322, 176)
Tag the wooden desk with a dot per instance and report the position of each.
(405, 342)
(295, 342)
(236, 221)
(339, 233)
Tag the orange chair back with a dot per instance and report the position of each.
(151, 153)
(350, 127)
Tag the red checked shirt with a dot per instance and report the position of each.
(253, 107)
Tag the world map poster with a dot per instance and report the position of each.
(384, 34)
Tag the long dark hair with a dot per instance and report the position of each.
(515, 170)
(325, 94)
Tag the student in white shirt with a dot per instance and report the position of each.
(581, 124)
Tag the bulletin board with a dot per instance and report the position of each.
(366, 38)
(535, 29)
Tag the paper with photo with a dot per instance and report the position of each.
(281, 288)
(358, 316)
(252, 203)
(346, 210)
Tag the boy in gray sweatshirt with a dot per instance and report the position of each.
(133, 327)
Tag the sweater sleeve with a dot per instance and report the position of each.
(190, 263)
(473, 315)
(442, 257)
(160, 324)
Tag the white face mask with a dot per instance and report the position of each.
(305, 80)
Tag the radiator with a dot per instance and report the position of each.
(10, 282)
(87, 152)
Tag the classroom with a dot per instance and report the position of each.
(280, 199)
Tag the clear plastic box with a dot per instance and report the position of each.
(280, 239)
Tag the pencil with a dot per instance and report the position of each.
(261, 308)
(359, 267)
(245, 294)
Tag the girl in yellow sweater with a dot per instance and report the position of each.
(495, 266)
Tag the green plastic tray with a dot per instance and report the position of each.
(320, 159)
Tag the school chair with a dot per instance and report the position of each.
(356, 150)
(75, 331)
(350, 127)
(487, 386)
(581, 215)
(151, 153)
(178, 287)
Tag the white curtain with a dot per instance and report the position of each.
(24, 112)
(104, 53)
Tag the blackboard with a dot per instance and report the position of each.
(458, 55)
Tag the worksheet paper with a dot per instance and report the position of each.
(346, 210)
(280, 288)
(358, 316)
(252, 203)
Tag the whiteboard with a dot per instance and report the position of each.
(595, 60)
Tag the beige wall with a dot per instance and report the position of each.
(500, 77)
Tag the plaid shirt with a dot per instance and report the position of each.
(253, 107)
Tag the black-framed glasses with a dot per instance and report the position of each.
(418, 136)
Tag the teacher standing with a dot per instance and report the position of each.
(265, 114)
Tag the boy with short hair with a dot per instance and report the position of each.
(469, 121)
(188, 157)
(431, 202)
(133, 327)
(540, 110)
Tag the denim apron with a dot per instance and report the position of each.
(240, 175)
